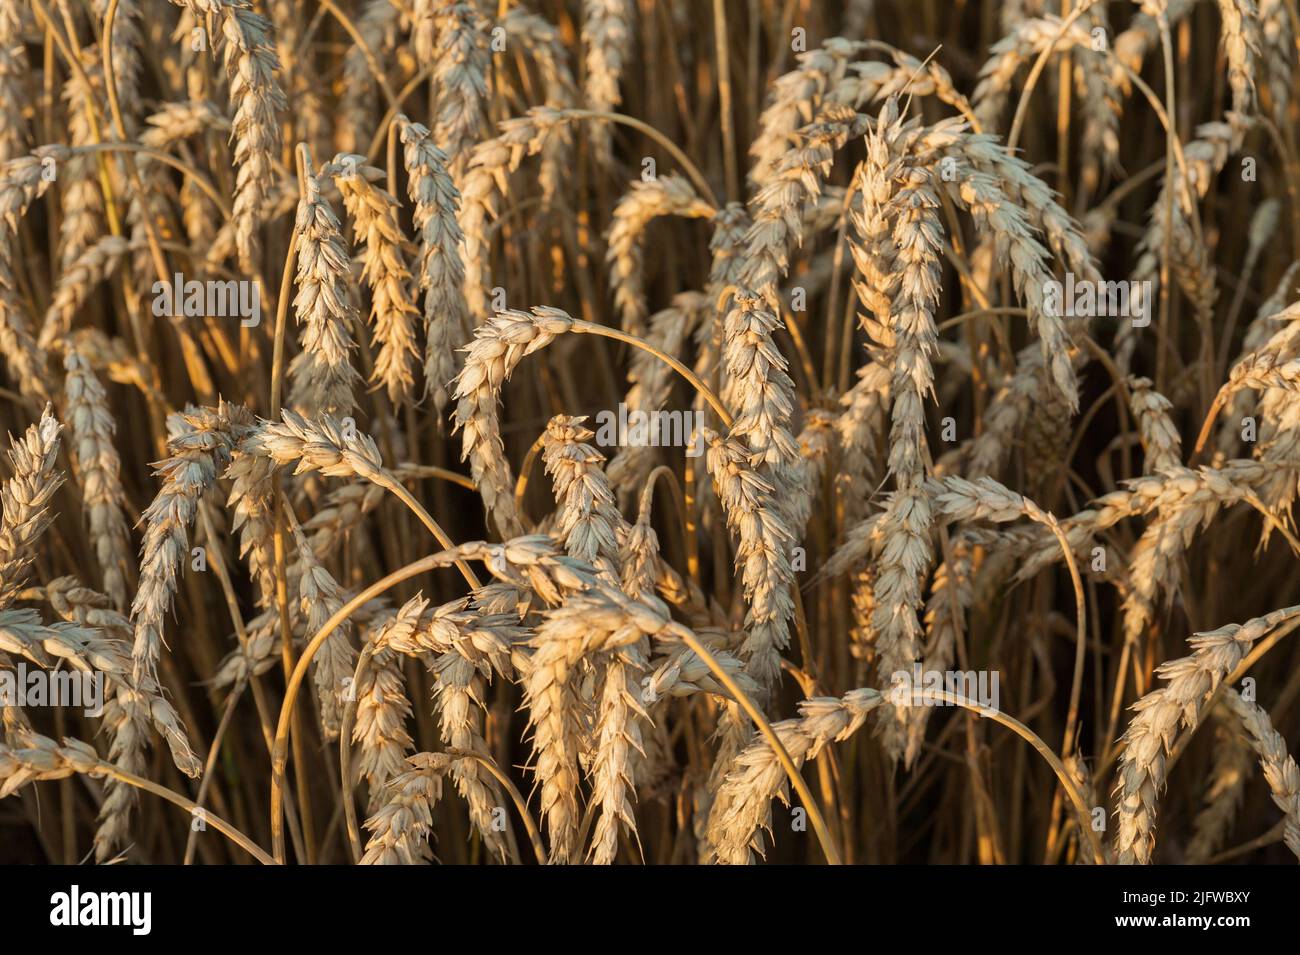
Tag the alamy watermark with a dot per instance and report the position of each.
(194, 299)
(923, 687)
(1090, 299)
(75, 908)
(650, 429)
(37, 687)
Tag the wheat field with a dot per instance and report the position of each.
(649, 431)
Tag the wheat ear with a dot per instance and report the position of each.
(374, 216)
(25, 499)
(441, 272)
(91, 429)
(1279, 767)
(1189, 683)
(321, 376)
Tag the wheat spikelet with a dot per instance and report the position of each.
(1277, 41)
(1241, 45)
(102, 637)
(127, 66)
(82, 200)
(319, 598)
(1264, 371)
(598, 620)
(795, 98)
(592, 528)
(776, 209)
(252, 499)
(470, 647)
(173, 122)
(22, 181)
(484, 182)
(1191, 501)
(916, 238)
(762, 553)
(619, 750)
(1008, 227)
(1101, 106)
(858, 430)
(544, 46)
(589, 524)
(1204, 157)
(1181, 499)
(41, 758)
(25, 499)
(1005, 413)
(461, 77)
(904, 554)
(761, 394)
(1020, 46)
(950, 596)
(499, 345)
